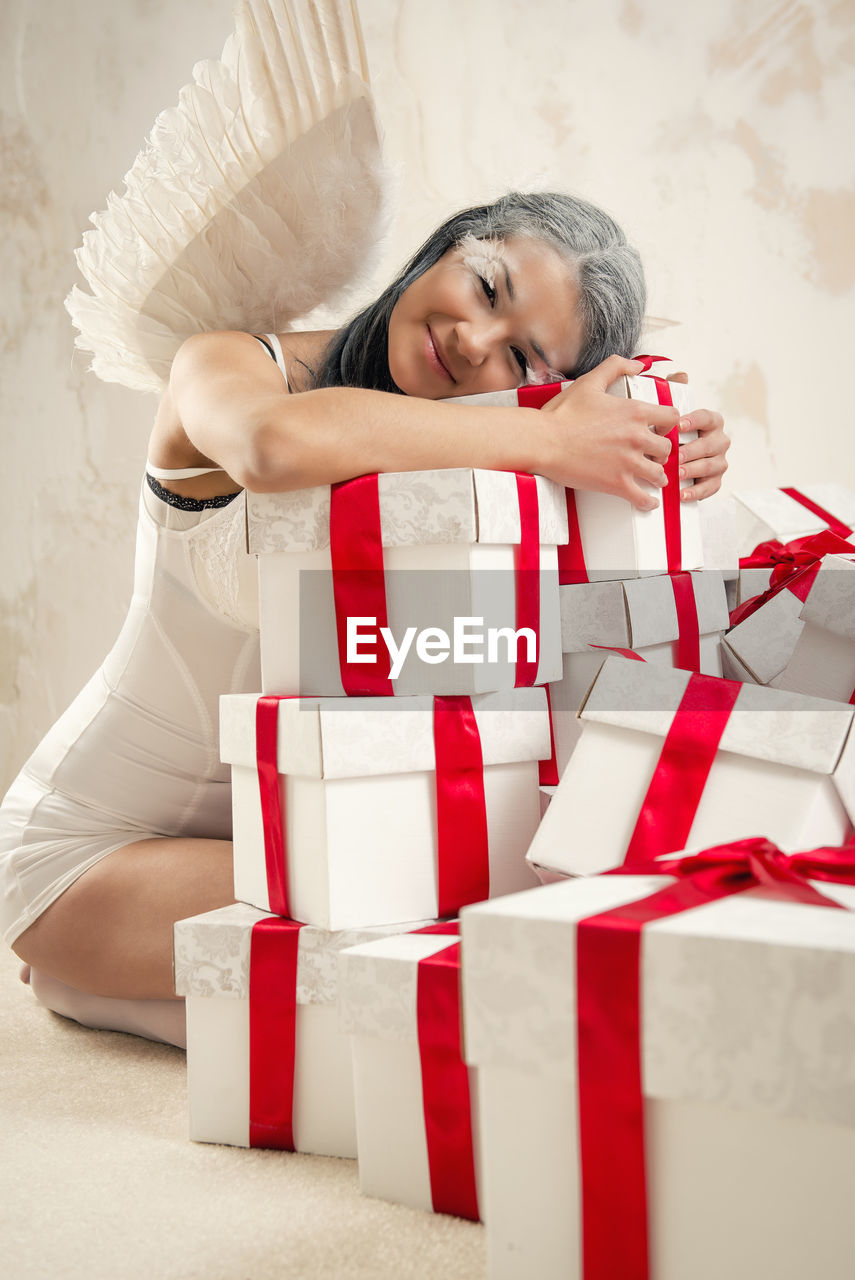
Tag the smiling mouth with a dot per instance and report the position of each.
(435, 359)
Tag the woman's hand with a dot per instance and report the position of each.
(702, 460)
(604, 442)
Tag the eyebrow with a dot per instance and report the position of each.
(512, 295)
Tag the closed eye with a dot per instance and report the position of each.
(489, 291)
(519, 356)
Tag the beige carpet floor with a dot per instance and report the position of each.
(98, 1178)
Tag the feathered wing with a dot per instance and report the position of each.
(255, 200)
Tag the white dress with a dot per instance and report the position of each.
(136, 755)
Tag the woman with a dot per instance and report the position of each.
(120, 822)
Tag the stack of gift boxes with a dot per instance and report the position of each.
(387, 779)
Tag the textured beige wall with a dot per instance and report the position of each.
(719, 135)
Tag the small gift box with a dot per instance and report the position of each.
(762, 645)
(440, 582)
(789, 513)
(368, 811)
(415, 1098)
(671, 620)
(267, 1063)
(664, 1083)
(823, 659)
(670, 760)
(608, 537)
(757, 649)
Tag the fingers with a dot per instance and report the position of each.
(701, 489)
(610, 370)
(677, 377)
(703, 420)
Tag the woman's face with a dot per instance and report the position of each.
(488, 316)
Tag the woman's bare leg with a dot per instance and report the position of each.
(110, 933)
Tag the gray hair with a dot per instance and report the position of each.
(607, 271)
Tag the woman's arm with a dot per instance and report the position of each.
(230, 400)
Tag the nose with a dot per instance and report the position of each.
(476, 340)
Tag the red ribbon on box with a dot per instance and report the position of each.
(445, 1081)
(359, 581)
(836, 526)
(611, 1100)
(527, 557)
(463, 862)
(274, 947)
(669, 807)
(794, 566)
(547, 770)
(271, 793)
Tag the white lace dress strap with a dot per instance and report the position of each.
(177, 473)
(274, 346)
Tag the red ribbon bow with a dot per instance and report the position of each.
(794, 566)
(611, 1102)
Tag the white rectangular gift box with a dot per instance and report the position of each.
(823, 659)
(758, 648)
(212, 972)
(619, 541)
(638, 614)
(378, 1008)
(358, 786)
(764, 514)
(450, 542)
(749, 1091)
(785, 767)
(769, 646)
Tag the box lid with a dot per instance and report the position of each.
(378, 983)
(636, 612)
(742, 998)
(771, 513)
(417, 508)
(831, 600)
(794, 729)
(211, 956)
(361, 737)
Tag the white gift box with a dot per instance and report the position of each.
(378, 1007)
(450, 543)
(764, 514)
(749, 1091)
(785, 766)
(212, 972)
(758, 648)
(619, 541)
(358, 790)
(718, 534)
(638, 614)
(823, 659)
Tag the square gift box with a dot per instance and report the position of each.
(392, 809)
(614, 539)
(640, 614)
(757, 649)
(669, 760)
(236, 1036)
(416, 1103)
(748, 1086)
(786, 514)
(409, 583)
(823, 659)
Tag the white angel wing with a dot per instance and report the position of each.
(255, 200)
